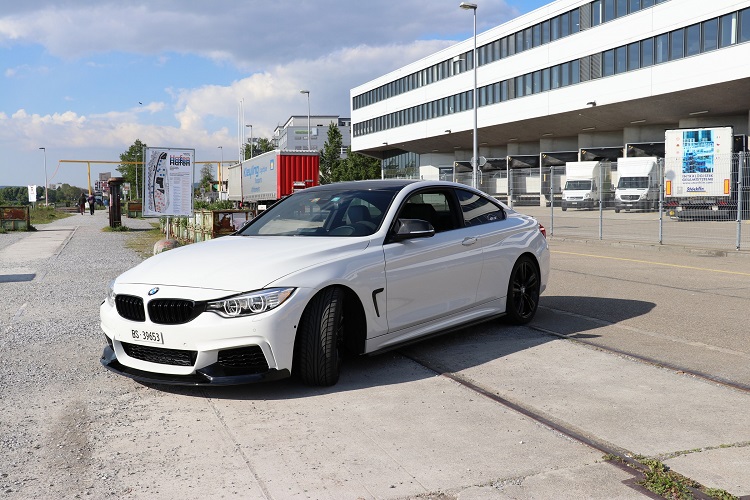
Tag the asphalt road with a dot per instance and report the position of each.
(488, 412)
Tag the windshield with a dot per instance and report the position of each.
(632, 183)
(578, 185)
(333, 212)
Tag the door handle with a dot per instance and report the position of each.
(468, 241)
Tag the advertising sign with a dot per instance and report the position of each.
(698, 161)
(32, 194)
(168, 175)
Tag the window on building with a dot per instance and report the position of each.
(635, 5)
(646, 3)
(575, 71)
(661, 48)
(634, 56)
(693, 40)
(503, 47)
(555, 71)
(621, 8)
(545, 32)
(596, 13)
(727, 30)
(710, 35)
(555, 28)
(504, 90)
(744, 35)
(621, 59)
(545, 79)
(575, 21)
(565, 74)
(511, 45)
(536, 35)
(647, 52)
(536, 84)
(608, 13)
(677, 44)
(608, 63)
(565, 25)
(527, 39)
(528, 87)
(519, 86)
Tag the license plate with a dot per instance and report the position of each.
(147, 336)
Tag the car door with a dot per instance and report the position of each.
(431, 278)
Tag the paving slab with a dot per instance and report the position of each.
(40, 244)
(616, 401)
(725, 468)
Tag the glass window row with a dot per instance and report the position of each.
(568, 23)
(702, 37)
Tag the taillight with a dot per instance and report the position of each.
(542, 230)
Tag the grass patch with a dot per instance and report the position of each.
(45, 215)
(118, 229)
(143, 241)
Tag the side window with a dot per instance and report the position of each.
(431, 206)
(478, 210)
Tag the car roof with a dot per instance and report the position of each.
(372, 184)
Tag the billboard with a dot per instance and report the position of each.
(168, 175)
(698, 161)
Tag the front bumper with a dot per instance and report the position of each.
(214, 374)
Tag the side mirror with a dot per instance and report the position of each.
(407, 229)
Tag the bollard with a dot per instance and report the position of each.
(115, 208)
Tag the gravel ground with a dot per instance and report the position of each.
(50, 342)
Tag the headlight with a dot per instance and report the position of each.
(250, 303)
(111, 293)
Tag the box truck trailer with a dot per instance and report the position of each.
(587, 183)
(637, 184)
(706, 174)
(266, 178)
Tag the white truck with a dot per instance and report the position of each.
(638, 184)
(586, 184)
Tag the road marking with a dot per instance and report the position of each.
(679, 266)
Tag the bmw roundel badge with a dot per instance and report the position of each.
(153, 291)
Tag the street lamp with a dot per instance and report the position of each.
(46, 199)
(475, 158)
(308, 117)
(251, 140)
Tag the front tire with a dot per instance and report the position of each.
(523, 292)
(319, 345)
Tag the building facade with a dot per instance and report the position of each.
(293, 134)
(573, 80)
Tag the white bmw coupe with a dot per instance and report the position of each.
(348, 268)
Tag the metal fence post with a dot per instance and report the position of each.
(601, 201)
(551, 201)
(660, 166)
(741, 166)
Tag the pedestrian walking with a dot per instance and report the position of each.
(92, 203)
(81, 203)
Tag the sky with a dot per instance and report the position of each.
(85, 78)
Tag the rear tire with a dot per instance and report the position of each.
(523, 292)
(319, 345)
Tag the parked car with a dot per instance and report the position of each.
(348, 268)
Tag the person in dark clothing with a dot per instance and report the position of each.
(92, 203)
(81, 203)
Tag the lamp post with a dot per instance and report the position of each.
(46, 199)
(218, 170)
(475, 158)
(308, 117)
(251, 140)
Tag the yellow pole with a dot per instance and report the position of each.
(89, 165)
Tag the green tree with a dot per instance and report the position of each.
(330, 155)
(261, 145)
(357, 167)
(206, 178)
(129, 171)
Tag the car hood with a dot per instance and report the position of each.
(239, 263)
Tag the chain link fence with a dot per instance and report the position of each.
(635, 200)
